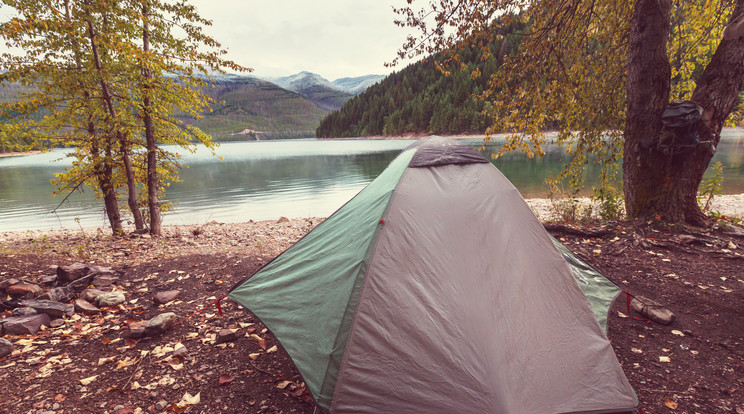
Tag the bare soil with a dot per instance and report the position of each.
(697, 275)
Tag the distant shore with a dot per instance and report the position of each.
(17, 154)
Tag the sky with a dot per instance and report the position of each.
(332, 38)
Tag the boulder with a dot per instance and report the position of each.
(24, 325)
(160, 323)
(56, 323)
(165, 296)
(58, 294)
(53, 309)
(85, 307)
(90, 295)
(25, 290)
(72, 272)
(4, 284)
(652, 310)
(111, 298)
(6, 347)
(48, 279)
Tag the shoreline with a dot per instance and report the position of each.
(19, 154)
(545, 209)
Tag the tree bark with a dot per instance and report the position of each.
(661, 181)
(152, 163)
(123, 145)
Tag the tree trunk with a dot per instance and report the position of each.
(661, 181)
(123, 145)
(104, 176)
(152, 161)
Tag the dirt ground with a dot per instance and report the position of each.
(87, 364)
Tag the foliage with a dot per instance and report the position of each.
(711, 187)
(610, 202)
(569, 71)
(82, 67)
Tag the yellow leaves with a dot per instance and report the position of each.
(86, 381)
(670, 404)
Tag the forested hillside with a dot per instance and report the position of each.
(420, 99)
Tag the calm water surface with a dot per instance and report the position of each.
(266, 180)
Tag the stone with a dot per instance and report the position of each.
(283, 219)
(111, 298)
(136, 329)
(53, 309)
(226, 335)
(160, 323)
(90, 295)
(24, 325)
(652, 310)
(23, 311)
(165, 296)
(26, 290)
(4, 284)
(161, 405)
(85, 307)
(180, 351)
(56, 323)
(48, 279)
(105, 280)
(6, 347)
(58, 294)
(72, 272)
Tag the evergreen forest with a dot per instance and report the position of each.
(425, 98)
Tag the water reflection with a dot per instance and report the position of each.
(266, 180)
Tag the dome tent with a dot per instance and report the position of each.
(437, 290)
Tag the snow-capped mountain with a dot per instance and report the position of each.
(357, 85)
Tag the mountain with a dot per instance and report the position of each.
(421, 100)
(357, 85)
(315, 88)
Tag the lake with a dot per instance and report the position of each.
(269, 179)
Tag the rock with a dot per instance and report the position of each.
(90, 295)
(4, 284)
(283, 219)
(165, 296)
(58, 294)
(161, 405)
(652, 310)
(83, 306)
(226, 335)
(136, 329)
(24, 325)
(105, 280)
(180, 351)
(6, 347)
(72, 272)
(160, 323)
(111, 298)
(53, 309)
(48, 279)
(24, 311)
(56, 323)
(26, 290)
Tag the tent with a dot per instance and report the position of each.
(437, 290)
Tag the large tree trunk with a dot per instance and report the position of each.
(152, 162)
(104, 176)
(661, 181)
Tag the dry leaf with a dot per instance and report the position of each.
(189, 399)
(224, 379)
(86, 381)
(622, 315)
(671, 404)
(676, 332)
(254, 356)
(283, 384)
(664, 359)
(636, 350)
(272, 349)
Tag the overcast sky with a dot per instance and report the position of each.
(333, 38)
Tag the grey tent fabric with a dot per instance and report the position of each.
(436, 290)
(468, 307)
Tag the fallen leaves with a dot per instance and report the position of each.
(670, 404)
(86, 381)
(189, 399)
